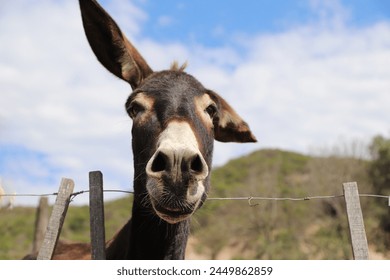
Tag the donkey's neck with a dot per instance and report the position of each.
(153, 238)
(146, 236)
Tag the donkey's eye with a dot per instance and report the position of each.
(134, 109)
(211, 110)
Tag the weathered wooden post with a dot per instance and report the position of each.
(96, 212)
(41, 221)
(355, 221)
(56, 220)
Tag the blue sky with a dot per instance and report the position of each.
(305, 75)
(214, 23)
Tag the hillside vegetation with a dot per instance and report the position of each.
(266, 229)
(17, 226)
(310, 229)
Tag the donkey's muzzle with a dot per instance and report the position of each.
(176, 173)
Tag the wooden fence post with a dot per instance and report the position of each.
(41, 221)
(56, 220)
(96, 212)
(355, 221)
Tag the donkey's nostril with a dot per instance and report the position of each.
(196, 164)
(177, 164)
(159, 163)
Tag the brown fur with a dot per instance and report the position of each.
(170, 184)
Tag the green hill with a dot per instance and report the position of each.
(310, 229)
(17, 226)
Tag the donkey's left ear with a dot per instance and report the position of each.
(111, 46)
(228, 125)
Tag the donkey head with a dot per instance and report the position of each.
(175, 121)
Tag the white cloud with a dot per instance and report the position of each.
(309, 85)
(129, 15)
(297, 89)
(58, 101)
(330, 13)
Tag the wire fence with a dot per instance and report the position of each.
(249, 198)
(66, 194)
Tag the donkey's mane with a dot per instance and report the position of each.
(175, 66)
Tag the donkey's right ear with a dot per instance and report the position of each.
(110, 46)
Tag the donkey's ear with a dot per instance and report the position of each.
(110, 46)
(228, 125)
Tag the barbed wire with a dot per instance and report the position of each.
(28, 194)
(247, 198)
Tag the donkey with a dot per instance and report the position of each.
(175, 122)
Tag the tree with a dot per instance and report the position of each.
(380, 167)
(380, 176)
